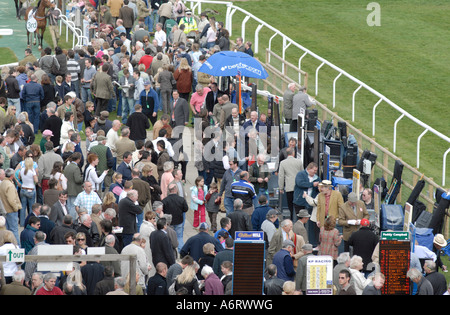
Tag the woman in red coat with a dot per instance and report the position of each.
(183, 76)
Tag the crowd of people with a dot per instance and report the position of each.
(125, 187)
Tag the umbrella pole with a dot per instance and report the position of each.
(239, 94)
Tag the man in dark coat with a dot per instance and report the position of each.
(107, 283)
(138, 123)
(273, 285)
(92, 272)
(47, 225)
(436, 278)
(128, 210)
(53, 123)
(211, 98)
(240, 220)
(160, 244)
(364, 242)
(194, 245)
(58, 232)
(157, 285)
(177, 206)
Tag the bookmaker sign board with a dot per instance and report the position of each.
(319, 276)
(395, 254)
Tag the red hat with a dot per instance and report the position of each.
(365, 222)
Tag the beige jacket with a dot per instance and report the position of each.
(9, 196)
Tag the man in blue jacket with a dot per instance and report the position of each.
(149, 101)
(283, 260)
(32, 95)
(194, 244)
(306, 180)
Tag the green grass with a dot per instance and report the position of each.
(403, 59)
(7, 56)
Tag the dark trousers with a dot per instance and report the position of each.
(152, 119)
(102, 104)
(290, 203)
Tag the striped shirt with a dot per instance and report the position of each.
(245, 191)
(73, 67)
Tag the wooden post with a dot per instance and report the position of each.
(430, 195)
(132, 275)
(386, 165)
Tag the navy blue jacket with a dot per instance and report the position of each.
(259, 216)
(285, 266)
(194, 245)
(33, 92)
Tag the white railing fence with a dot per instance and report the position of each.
(78, 39)
(257, 25)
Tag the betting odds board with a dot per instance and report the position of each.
(395, 255)
(319, 276)
(248, 263)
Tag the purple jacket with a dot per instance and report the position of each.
(213, 285)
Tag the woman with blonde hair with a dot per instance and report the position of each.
(110, 201)
(29, 179)
(80, 240)
(183, 76)
(155, 188)
(188, 280)
(116, 187)
(10, 117)
(358, 280)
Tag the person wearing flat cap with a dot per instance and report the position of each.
(350, 215)
(283, 260)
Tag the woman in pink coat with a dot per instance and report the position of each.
(212, 284)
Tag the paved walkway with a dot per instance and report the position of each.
(191, 175)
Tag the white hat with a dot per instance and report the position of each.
(440, 240)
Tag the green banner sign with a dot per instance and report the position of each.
(395, 235)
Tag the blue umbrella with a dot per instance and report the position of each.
(233, 63)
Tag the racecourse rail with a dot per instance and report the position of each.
(231, 9)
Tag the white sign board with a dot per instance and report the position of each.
(16, 255)
(408, 216)
(51, 250)
(95, 251)
(31, 25)
(319, 275)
